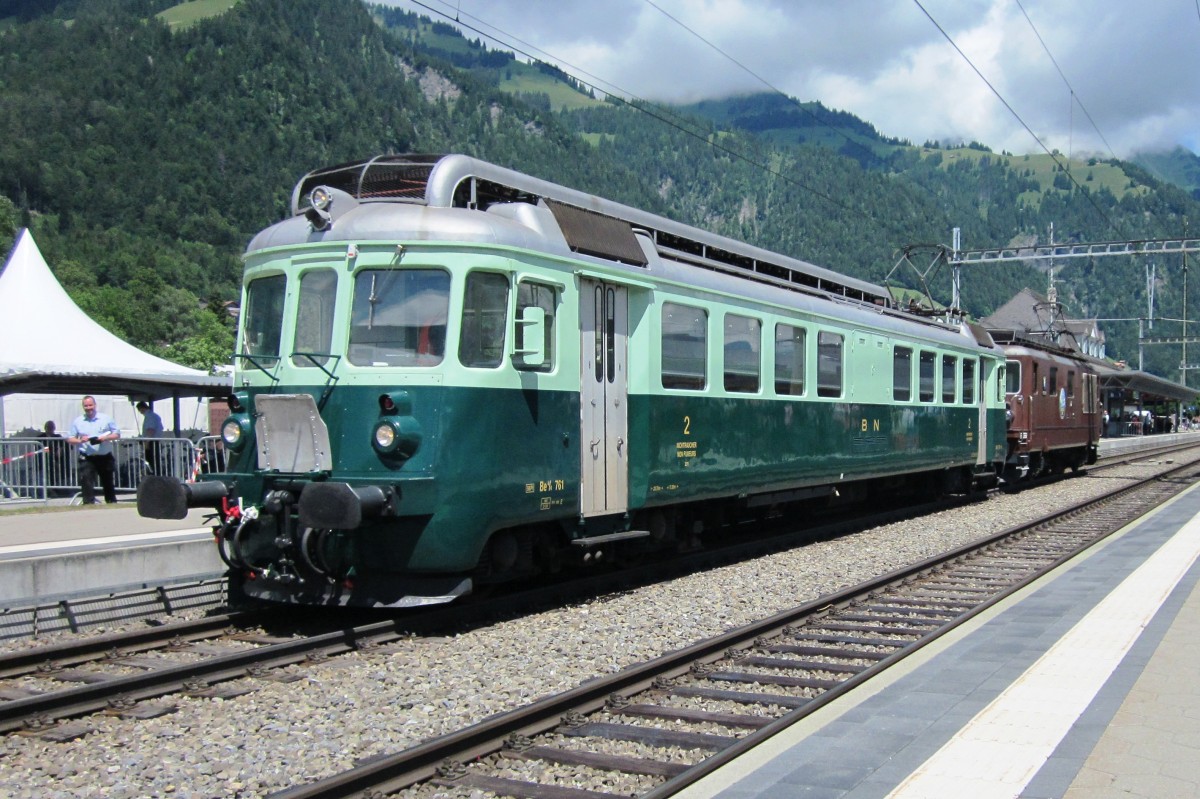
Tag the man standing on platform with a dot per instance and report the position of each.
(152, 427)
(92, 434)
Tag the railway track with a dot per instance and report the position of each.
(133, 674)
(660, 726)
(123, 673)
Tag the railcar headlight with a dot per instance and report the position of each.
(320, 198)
(396, 437)
(385, 437)
(233, 432)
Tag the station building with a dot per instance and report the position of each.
(1135, 402)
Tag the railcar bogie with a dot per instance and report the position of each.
(451, 375)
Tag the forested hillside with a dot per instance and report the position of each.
(145, 156)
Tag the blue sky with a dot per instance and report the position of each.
(1127, 77)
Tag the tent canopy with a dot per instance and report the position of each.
(48, 345)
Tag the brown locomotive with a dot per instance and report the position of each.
(1054, 415)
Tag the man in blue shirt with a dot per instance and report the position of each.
(152, 427)
(92, 435)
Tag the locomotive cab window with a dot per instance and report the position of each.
(927, 376)
(264, 316)
(1051, 386)
(830, 366)
(484, 320)
(902, 374)
(684, 347)
(1071, 384)
(1012, 375)
(314, 318)
(743, 361)
(531, 294)
(949, 377)
(968, 381)
(398, 317)
(789, 360)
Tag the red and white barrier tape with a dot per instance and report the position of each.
(6, 461)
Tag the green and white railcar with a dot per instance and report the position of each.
(451, 374)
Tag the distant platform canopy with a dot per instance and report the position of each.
(1114, 379)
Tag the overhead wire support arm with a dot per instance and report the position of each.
(1081, 250)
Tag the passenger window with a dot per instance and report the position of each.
(264, 316)
(928, 376)
(684, 347)
(968, 382)
(902, 374)
(949, 377)
(314, 318)
(538, 295)
(398, 317)
(789, 360)
(829, 364)
(484, 320)
(743, 344)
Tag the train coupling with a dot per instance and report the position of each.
(161, 497)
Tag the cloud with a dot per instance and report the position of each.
(1131, 66)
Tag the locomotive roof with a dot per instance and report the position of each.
(459, 181)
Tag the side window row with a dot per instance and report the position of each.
(685, 349)
(956, 385)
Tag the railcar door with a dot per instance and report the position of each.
(980, 382)
(604, 328)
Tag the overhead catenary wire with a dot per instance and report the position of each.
(1074, 94)
(632, 100)
(1017, 117)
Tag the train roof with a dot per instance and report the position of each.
(462, 199)
(590, 224)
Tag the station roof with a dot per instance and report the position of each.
(1112, 377)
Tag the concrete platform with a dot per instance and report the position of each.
(1083, 685)
(55, 553)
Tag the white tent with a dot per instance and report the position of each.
(49, 346)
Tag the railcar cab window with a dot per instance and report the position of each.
(902, 374)
(928, 376)
(314, 318)
(531, 294)
(968, 381)
(949, 377)
(398, 317)
(684, 347)
(484, 320)
(830, 367)
(264, 316)
(789, 360)
(743, 345)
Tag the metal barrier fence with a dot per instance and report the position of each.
(41, 469)
(74, 615)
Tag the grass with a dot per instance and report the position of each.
(186, 14)
(1043, 168)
